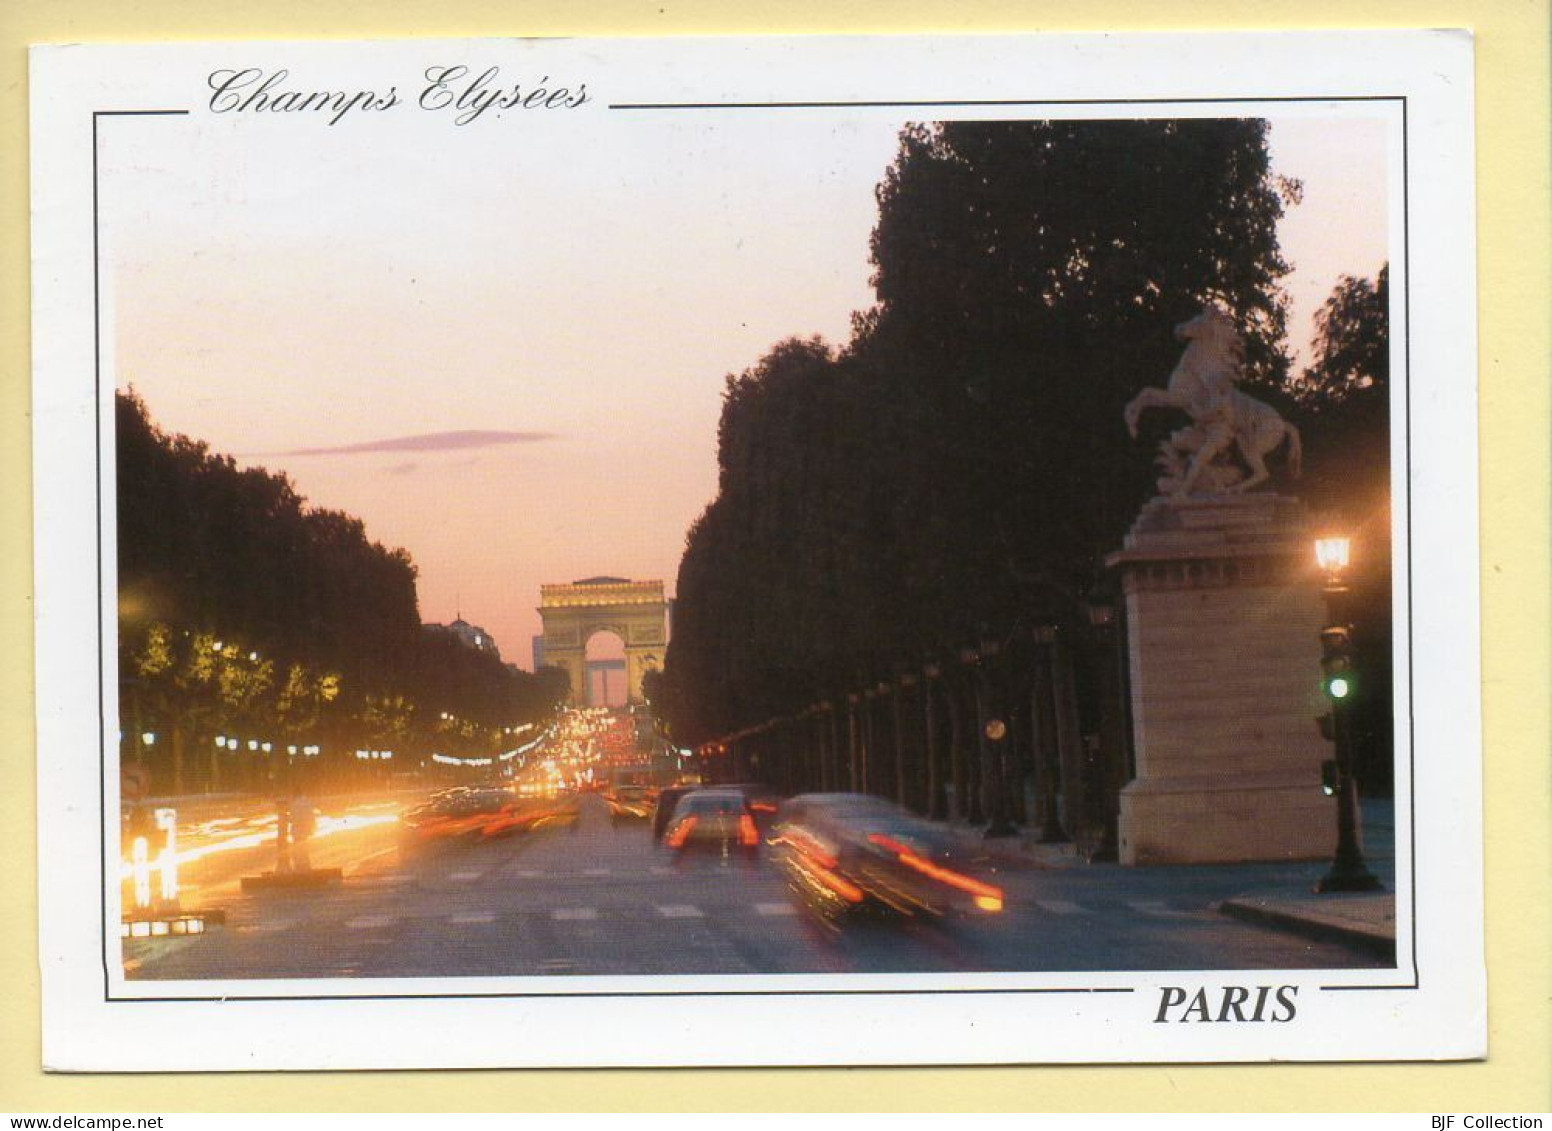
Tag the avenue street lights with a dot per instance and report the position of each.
(1340, 683)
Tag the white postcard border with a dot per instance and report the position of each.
(879, 1019)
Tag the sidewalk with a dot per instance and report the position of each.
(1265, 894)
(1367, 921)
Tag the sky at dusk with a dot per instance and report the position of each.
(506, 352)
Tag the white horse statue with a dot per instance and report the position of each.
(1199, 458)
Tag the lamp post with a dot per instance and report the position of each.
(1348, 871)
(993, 732)
(1112, 775)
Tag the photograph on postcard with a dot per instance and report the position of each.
(476, 566)
(554, 543)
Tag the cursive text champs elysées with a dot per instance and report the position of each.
(447, 89)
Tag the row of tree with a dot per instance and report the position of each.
(246, 613)
(959, 468)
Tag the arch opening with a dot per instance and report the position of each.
(606, 683)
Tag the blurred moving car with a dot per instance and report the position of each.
(663, 812)
(712, 818)
(451, 813)
(851, 851)
(470, 812)
(630, 803)
(763, 802)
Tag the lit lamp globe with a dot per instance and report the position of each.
(1333, 556)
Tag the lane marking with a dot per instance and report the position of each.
(529, 873)
(465, 877)
(371, 922)
(661, 870)
(1060, 906)
(680, 911)
(775, 909)
(595, 871)
(573, 913)
(473, 917)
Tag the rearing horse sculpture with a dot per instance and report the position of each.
(1222, 418)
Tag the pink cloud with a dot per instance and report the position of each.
(425, 442)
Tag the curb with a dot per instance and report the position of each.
(1013, 851)
(275, 881)
(1374, 940)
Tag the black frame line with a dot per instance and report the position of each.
(1416, 982)
(996, 102)
(102, 714)
(1406, 307)
(897, 992)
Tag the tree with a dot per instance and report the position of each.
(1352, 345)
(1029, 275)
(242, 607)
(1345, 398)
(961, 465)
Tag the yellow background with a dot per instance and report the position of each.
(1514, 304)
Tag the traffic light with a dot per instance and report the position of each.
(1337, 663)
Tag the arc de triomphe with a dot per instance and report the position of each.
(635, 611)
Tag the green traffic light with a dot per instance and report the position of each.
(1338, 687)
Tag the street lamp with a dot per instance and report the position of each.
(1339, 681)
(1332, 555)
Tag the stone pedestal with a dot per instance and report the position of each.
(1224, 610)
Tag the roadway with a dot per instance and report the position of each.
(595, 898)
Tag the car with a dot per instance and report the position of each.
(763, 802)
(630, 803)
(663, 812)
(851, 852)
(454, 813)
(712, 818)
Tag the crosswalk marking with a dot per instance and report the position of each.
(595, 871)
(775, 909)
(465, 877)
(473, 917)
(680, 911)
(528, 873)
(661, 870)
(270, 927)
(370, 922)
(565, 913)
(1060, 906)
(1157, 907)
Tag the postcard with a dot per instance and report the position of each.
(802, 551)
